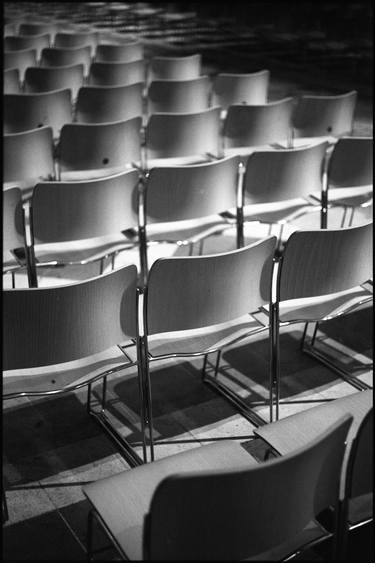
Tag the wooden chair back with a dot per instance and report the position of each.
(351, 163)
(57, 57)
(47, 79)
(33, 28)
(68, 40)
(360, 473)
(11, 81)
(13, 221)
(21, 42)
(230, 88)
(20, 59)
(116, 74)
(175, 96)
(175, 68)
(100, 104)
(119, 53)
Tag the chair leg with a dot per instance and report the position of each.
(90, 523)
(203, 372)
(13, 280)
(275, 360)
(351, 217)
(5, 505)
(343, 217)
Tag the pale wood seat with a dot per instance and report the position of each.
(59, 56)
(38, 28)
(175, 68)
(47, 79)
(215, 503)
(73, 39)
(100, 104)
(119, 53)
(240, 88)
(116, 73)
(175, 96)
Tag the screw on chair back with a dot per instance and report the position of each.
(315, 116)
(65, 39)
(186, 96)
(250, 125)
(246, 513)
(23, 112)
(230, 88)
(57, 57)
(47, 79)
(100, 104)
(11, 81)
(175, 68)
(119, 53)
(20, 59)
(351, 163)
(116, 74)
(20, 42)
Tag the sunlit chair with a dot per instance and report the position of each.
(57, 57)
(20, 60)
(99, 104)
(21, 42)
(47, 79)
(119, 53)
(174, 68)
(247, 127)
(23, 112)
(229, 89)
(13, 230)
(66, 337)
(215, 503)
(175, 96)
(182, 138)
(116, 74)
(74, 39)
(93, 150)
(323, 116)
(11, 81)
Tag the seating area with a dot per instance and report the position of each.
(187, 290)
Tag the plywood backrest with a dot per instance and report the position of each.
(175, 68)
(188, 192)
(351, 163)
(52, 325)
(249, 125)
(240, 514)
(11, 81)
(20, 59)
(277, 175)
(20, 42)
(116, 74)
(100, 104)
(183, 134)
(324, 115)
(63, 211)
(251, 88)
(47, 79)
(64, 39)
(360, 473)
(325, 261)
(23, 112)
(64, 57)
(198, 291)
(13, 223)
(179, 95)
(37, 29)
(87, 146)
(115, 53)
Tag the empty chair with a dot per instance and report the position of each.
(11, 81)
(100, 104)
(175, 96)
(46, 79)
(215, 503)
(323, 116)
(88, 150)
(119, 53)
(20, 60)
(28, 158)
(175, 68)
(116, 74)
(32, 28)
(247, 127)
(21, 42)
(229, 89)
(182, 138)
(13, 230)
(65, 57)
(64, 39)
(23, 112)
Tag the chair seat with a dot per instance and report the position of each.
(273, 212)
(360, 508)
(176, 161)
(124, 499)
(308, 141)
(189, 230)
(350, 196)
(76, 175)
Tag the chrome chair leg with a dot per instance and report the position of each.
(344, 217)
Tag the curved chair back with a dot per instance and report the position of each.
(187, 192)
(68, 40)
(175, 68)
(57, 57)
(229, 88)
(240, 514)
(100, 104)
(23, 112)
(28, 156)
(88, 146)
(21, 42)
(325, 261)
(20, 60)
(64, 211)
(175, 96)
(52, 325)
(351, 163)
(11, 81)
(33, 28)
(198, 291)
(46, 79)
(116, 53)
(183, 134)
(116, 74)
(360, 474)
(316, 116)
(247, 125)
(278, 175)
(13, 222)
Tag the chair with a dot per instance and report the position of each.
(229, 89)
(92, 150)
(28, 158)
(20, 60)
(182, 138)
(47, 79)
(66, 40)
(321, 275)
(247, 127)
(100, 104)
(323, 116)
(81, 222)
(67, 337)
(57, 57)
(215, 503)
(174, 68)
(178, 96)
(119, 53)
(116, 74)
(23, 112)
(21, 42)
(33, 28)
(11, 81)
(13, 230)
